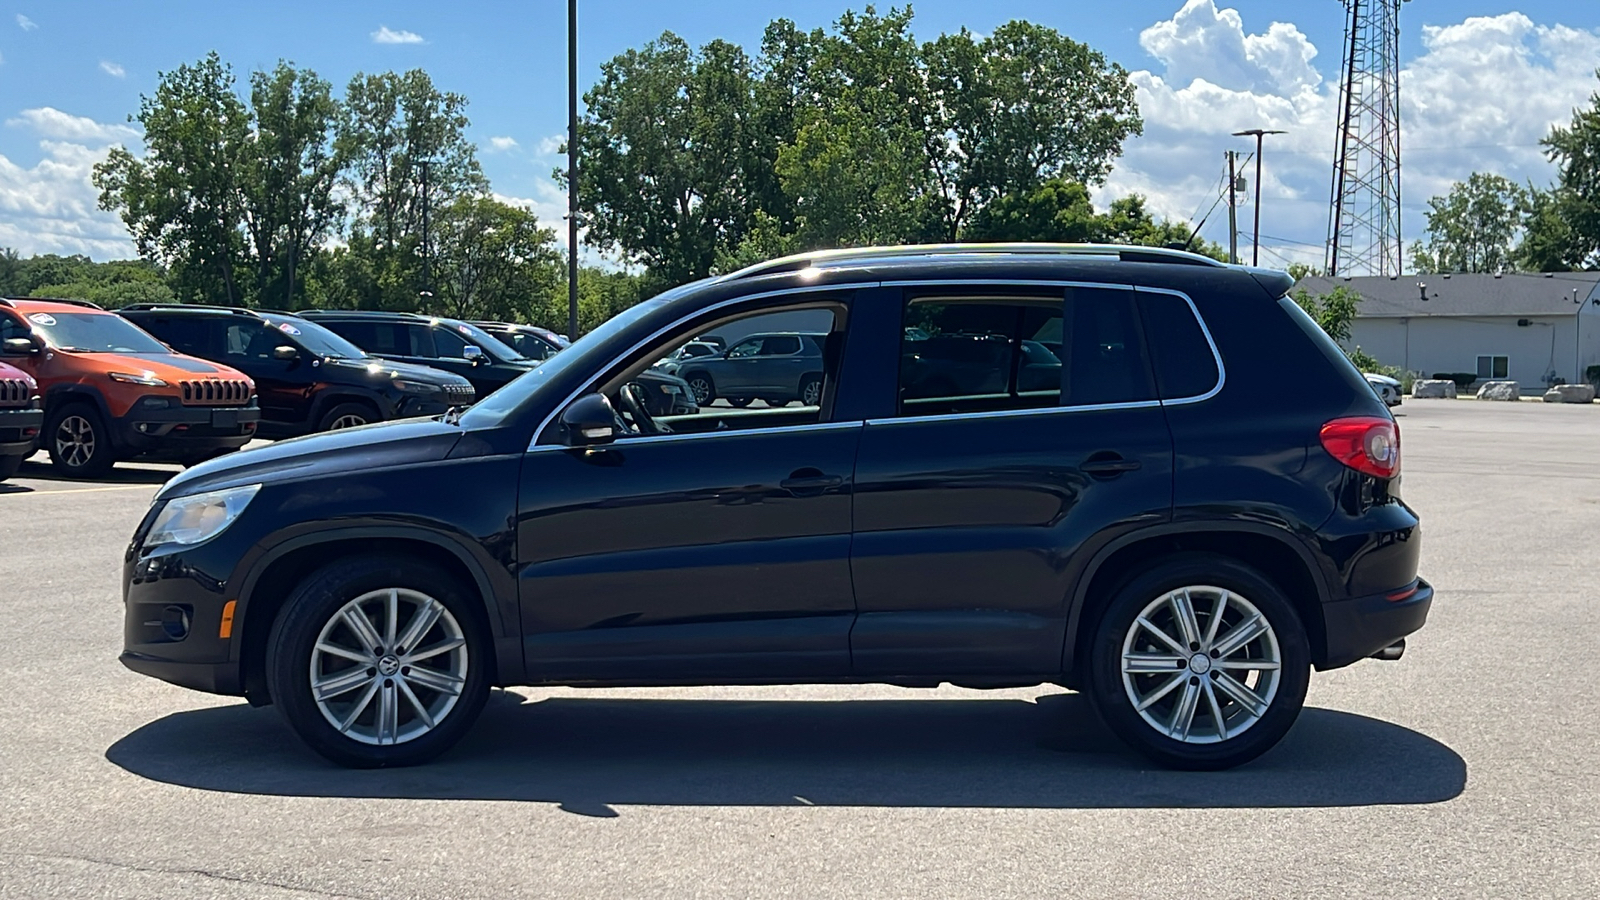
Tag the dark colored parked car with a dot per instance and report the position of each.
(307, 377)
(21, 413)
(777, 368)
(451, 345)
(664, 394)
(1154, 532)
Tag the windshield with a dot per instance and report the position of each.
(489, 411)
(490, 344)
(316, 338)
(93, 333)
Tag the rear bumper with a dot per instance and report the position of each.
(1358, 628)
(186, 428)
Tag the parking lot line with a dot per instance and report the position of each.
(118, 487)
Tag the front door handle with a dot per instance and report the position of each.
(1108, 465)
(808, 481)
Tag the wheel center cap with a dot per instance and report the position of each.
(1199, 663)
(388, 665)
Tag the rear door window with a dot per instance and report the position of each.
(186, 334)
(1102, 349)
(966, 354)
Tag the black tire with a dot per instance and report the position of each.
(348, 415)
(811, 384)
(321, 597)
(702, 387)
(9, 466)
(740, 402)
(90, 454)
(1113, 699)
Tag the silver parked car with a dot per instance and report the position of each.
(778, 367)
(1387, 389)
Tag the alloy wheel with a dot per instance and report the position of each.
(1201, 664)
(389, 666)
(701, 389)
(75, 441)
(348, 420)
(813, 394)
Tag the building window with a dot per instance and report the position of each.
(1493, 367)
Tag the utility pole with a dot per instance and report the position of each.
(427, 246)
(572, 170)
(1233, 211)
(1255, 237)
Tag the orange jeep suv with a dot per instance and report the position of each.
(113, 392)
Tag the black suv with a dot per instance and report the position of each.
(460, 348)
(1152, 530)
(308, 378)
(665, 394)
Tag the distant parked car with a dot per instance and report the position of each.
(21, 413)
(778, 368)
(1387, 389)
(308, 378)
(449, 344)
(664, 393)
(960, 365)
(688, 352)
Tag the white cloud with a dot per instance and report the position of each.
(25, 23)
(112, 69)
(550, 146)
(51, 207)
(386, 36)
(54, 124)
(502, 144)
(1479, 98)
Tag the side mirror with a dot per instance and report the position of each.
(589, 421)
(20, 347)
(285, 353)
(473, 354)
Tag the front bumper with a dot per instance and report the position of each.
(19, 430)
(1356, 629)
(186, 428)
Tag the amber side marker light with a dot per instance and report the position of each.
(226, 630)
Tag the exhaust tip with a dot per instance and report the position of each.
(1392, 652)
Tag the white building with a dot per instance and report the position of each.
(1530, 329)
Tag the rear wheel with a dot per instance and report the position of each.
(1200, 663)
(348, 415)
(78, 442)
(379, 661)
(740, 402)
(9, 466)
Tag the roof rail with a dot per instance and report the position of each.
(397, 314)
(1124, 252)
(83, 303)
(196, 307)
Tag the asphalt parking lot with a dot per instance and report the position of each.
(1470, 768)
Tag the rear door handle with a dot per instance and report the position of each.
(1108, 465)
(809, 481)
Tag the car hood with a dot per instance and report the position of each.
(15, 374)
(169, 367)
(388, 368)
(403, 442)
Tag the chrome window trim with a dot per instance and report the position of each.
(1222, 373)
(638, 439)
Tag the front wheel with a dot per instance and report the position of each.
(348, 415)
(1200, 663)
(78, 442)
(703, 388)
(379, 661)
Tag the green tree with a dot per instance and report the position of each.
(182, 202)
(494, 261)
(1060, 211)
(288, 181)
(110, 284)
(669, 172)
(1334, 311)
(1473, 227)
(1564, 225)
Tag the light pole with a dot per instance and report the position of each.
(1255, 237)
(572, 170)
(427, 246)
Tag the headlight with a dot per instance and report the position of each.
(201, 517)
(148, 379)
(416, 387)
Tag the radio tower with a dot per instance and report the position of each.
(1364, 224)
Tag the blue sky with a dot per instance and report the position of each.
(89, 62)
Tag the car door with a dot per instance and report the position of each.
(449, 354)
(717, 555)
(779, 365)
(283, 387)
(970, 509)
(737, 370)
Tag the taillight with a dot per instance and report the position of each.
(1369, 444)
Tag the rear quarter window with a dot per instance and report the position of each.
(1180, 354)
